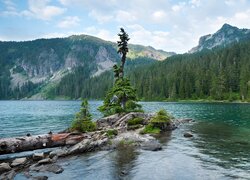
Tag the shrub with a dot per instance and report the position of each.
(111, 132)
(83, 121)
(158, 123)
(150, 129)
(135, 121)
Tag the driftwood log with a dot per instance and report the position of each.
(26, 143)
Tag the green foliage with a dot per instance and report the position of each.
(161, 120)
(135, 121)
(111, 133)
(158, 123)
(122, 97)
(83, 120)
(121, 91)
(125, 143)
(150, 129)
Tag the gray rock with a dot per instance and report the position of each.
(8, 175)
(4, 167)
(188, 134)
(45, 161)
(54, 168)
(58, 152)
(40, 178)
(38, 156)
(151, 146)
(54, 159)
(19, 161)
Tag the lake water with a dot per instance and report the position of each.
(220, 148)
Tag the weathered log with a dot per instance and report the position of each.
(19, 144)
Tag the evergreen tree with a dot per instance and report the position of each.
(82, 121)
(122, 96)
(122, 49)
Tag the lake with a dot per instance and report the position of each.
(219, 149)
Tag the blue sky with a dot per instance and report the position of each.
(171, 25)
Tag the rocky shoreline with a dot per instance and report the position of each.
(77, 143)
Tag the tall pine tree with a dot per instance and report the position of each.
(122, 97)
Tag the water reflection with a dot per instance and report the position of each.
(164, 138)
(124, 161)
(226, 146)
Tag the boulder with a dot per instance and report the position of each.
(38, 156)
(87, 145)
(40, 178)
(19, 161)
(8, 175)
(4, 167)
(54, 168)
(58, 153)
(188, 134)
(151, 146)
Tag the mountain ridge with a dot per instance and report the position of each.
(28, 64)
(226, 35)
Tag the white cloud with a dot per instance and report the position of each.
(69, 22)
(159, 16)
(125, 16)
(100, 17)
(165, 24)
(140, 35)
(176, 8)
(101, 33)
(195, 3)
(41, 10)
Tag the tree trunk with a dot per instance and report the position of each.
(121, 75)
(19, 144)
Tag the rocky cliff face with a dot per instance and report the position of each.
(226, 35)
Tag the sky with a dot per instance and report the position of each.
(170, 25)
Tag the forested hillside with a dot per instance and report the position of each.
(33, 69)
(218, 74)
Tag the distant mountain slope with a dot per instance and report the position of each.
(226, 35)
(29, 67)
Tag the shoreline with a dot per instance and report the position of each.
(166, 101)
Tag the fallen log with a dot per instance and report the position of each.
(27, 143)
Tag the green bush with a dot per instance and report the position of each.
(83, 126)
(150, 129)
(112, 132)
(158, 123)
(135, 121)
(82, 121)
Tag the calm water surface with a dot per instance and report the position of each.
(220, 148)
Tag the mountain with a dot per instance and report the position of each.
(31, 67)
(226, 35)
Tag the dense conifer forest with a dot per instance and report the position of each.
(218, 74)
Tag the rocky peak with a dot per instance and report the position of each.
(226, 35)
